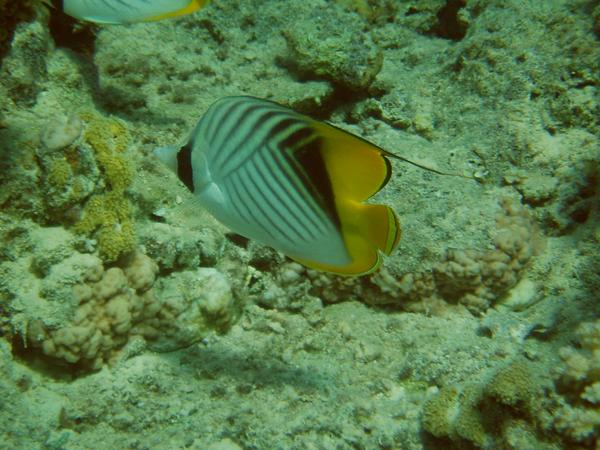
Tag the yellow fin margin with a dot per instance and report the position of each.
(193, 6)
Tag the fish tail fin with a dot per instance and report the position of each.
(380, 226)
(168, 156)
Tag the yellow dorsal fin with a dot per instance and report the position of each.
(192, 6)
(357, 168)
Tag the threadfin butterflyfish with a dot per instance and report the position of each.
(127, 11)
(290, 182)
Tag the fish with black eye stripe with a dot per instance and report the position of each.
(290, 182)
(127, 11)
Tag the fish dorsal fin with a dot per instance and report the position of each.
(357, 168)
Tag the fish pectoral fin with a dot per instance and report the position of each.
(357, 168)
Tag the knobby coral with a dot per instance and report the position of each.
(474, 278)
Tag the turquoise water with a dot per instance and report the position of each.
(131, 318)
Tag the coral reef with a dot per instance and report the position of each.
(192, 302)
(478, 279)
(110, 306)
(61, 133)
(473, 278)
(327, 46)
(562, 187)
(469, 336)
(179, 248)
(11, 14)
(23, 70)
(69, 170)
(75, 309)
(578, 381)
(87, 177)
(373, 10)
(499, 410)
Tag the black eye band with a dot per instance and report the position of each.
(184, 166)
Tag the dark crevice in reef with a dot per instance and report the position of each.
(35, 359)
(11, 14)
(71, 34)
(448, 25)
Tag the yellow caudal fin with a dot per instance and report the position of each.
(357, 168)
(380, 226)
(192, 6)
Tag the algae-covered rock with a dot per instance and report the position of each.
(11, 14)
(23, 70)
(327, 46)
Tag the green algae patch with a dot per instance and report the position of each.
(107, 216)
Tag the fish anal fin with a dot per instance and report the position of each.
(192, 6)
(367, 231)
(357, 168)
(360, 267)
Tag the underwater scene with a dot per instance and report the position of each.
(299, 224)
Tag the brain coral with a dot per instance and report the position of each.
(74, 310)
(106, 307)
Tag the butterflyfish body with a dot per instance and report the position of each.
(128, 11)
(290, 182)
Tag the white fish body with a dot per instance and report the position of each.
(128, 11)
(267, 173)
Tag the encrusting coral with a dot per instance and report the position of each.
(66, 304)
(493, 409)
(108, 305)
(87, 177)
(69, 171)
(525, 403)
(108, 215)
(477, 279)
